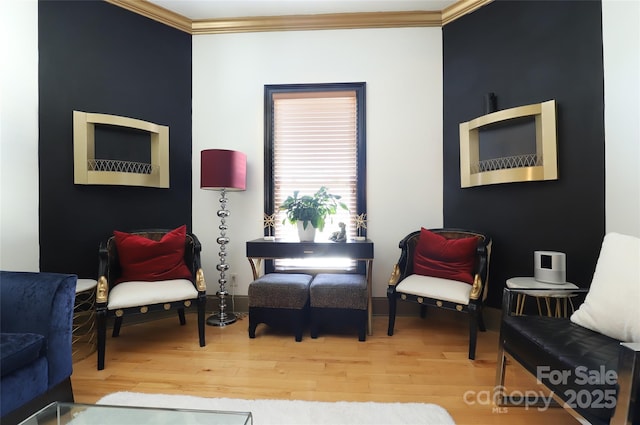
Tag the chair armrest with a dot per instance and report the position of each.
(197, 246)
(195, 265)
(102, 290)
(404, 266)
(476, 289)
(192, 253)
(479, 290)
(405, 262)
(395, 275)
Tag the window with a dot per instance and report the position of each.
(315, 136)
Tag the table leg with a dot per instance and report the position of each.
(539, 307)
(520, 302)
(369, 265)
(256, 266)
(524, 304)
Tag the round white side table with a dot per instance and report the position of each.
(83, 340)
(545, 291)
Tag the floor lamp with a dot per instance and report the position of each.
(222, 170)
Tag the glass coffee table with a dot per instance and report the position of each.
(91, 414)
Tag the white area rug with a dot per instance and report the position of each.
(295, 412)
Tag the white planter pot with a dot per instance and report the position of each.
(308, 234)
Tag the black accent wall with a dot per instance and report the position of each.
(529, 52)
(96, 57)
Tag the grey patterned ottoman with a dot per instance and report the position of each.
(339, 298)
(280, 300)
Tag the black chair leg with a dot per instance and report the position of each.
(473, 334)
(201, 310)
(423, 311)
(183, 321)
(481, 325)
(101, 319)
(117, 323)
(392, 314)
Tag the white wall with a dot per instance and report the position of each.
(19, 236)
(621, 39)
(403, 72)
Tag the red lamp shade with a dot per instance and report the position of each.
(223, 169)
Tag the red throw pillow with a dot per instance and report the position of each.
(438, 256)
(148, 260)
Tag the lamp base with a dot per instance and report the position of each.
(224, 319)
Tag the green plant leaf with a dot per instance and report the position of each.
(311, 209)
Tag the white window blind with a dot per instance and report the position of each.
(315, 144)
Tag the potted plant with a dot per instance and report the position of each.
(310, 212)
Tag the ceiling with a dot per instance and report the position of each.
(216, 9)
(228, 16)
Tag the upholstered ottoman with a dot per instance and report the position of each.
(339, 298)
(280, 300)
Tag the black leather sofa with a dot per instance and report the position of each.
(594, 376)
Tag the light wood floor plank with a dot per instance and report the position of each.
(425, 361)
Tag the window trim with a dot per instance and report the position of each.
(269, 90)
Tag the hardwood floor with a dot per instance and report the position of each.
(425, 361)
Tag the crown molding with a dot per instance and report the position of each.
(155, 12)
(301, 22)
(318, 22)
(461, 8)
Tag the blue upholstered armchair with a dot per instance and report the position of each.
(36, 321)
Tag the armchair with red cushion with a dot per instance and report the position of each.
(442, 268)
(145, 271)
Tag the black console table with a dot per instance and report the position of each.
(260, 249)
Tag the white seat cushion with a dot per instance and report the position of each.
(435, 287)
(136, 293)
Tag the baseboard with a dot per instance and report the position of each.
(240, 304)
